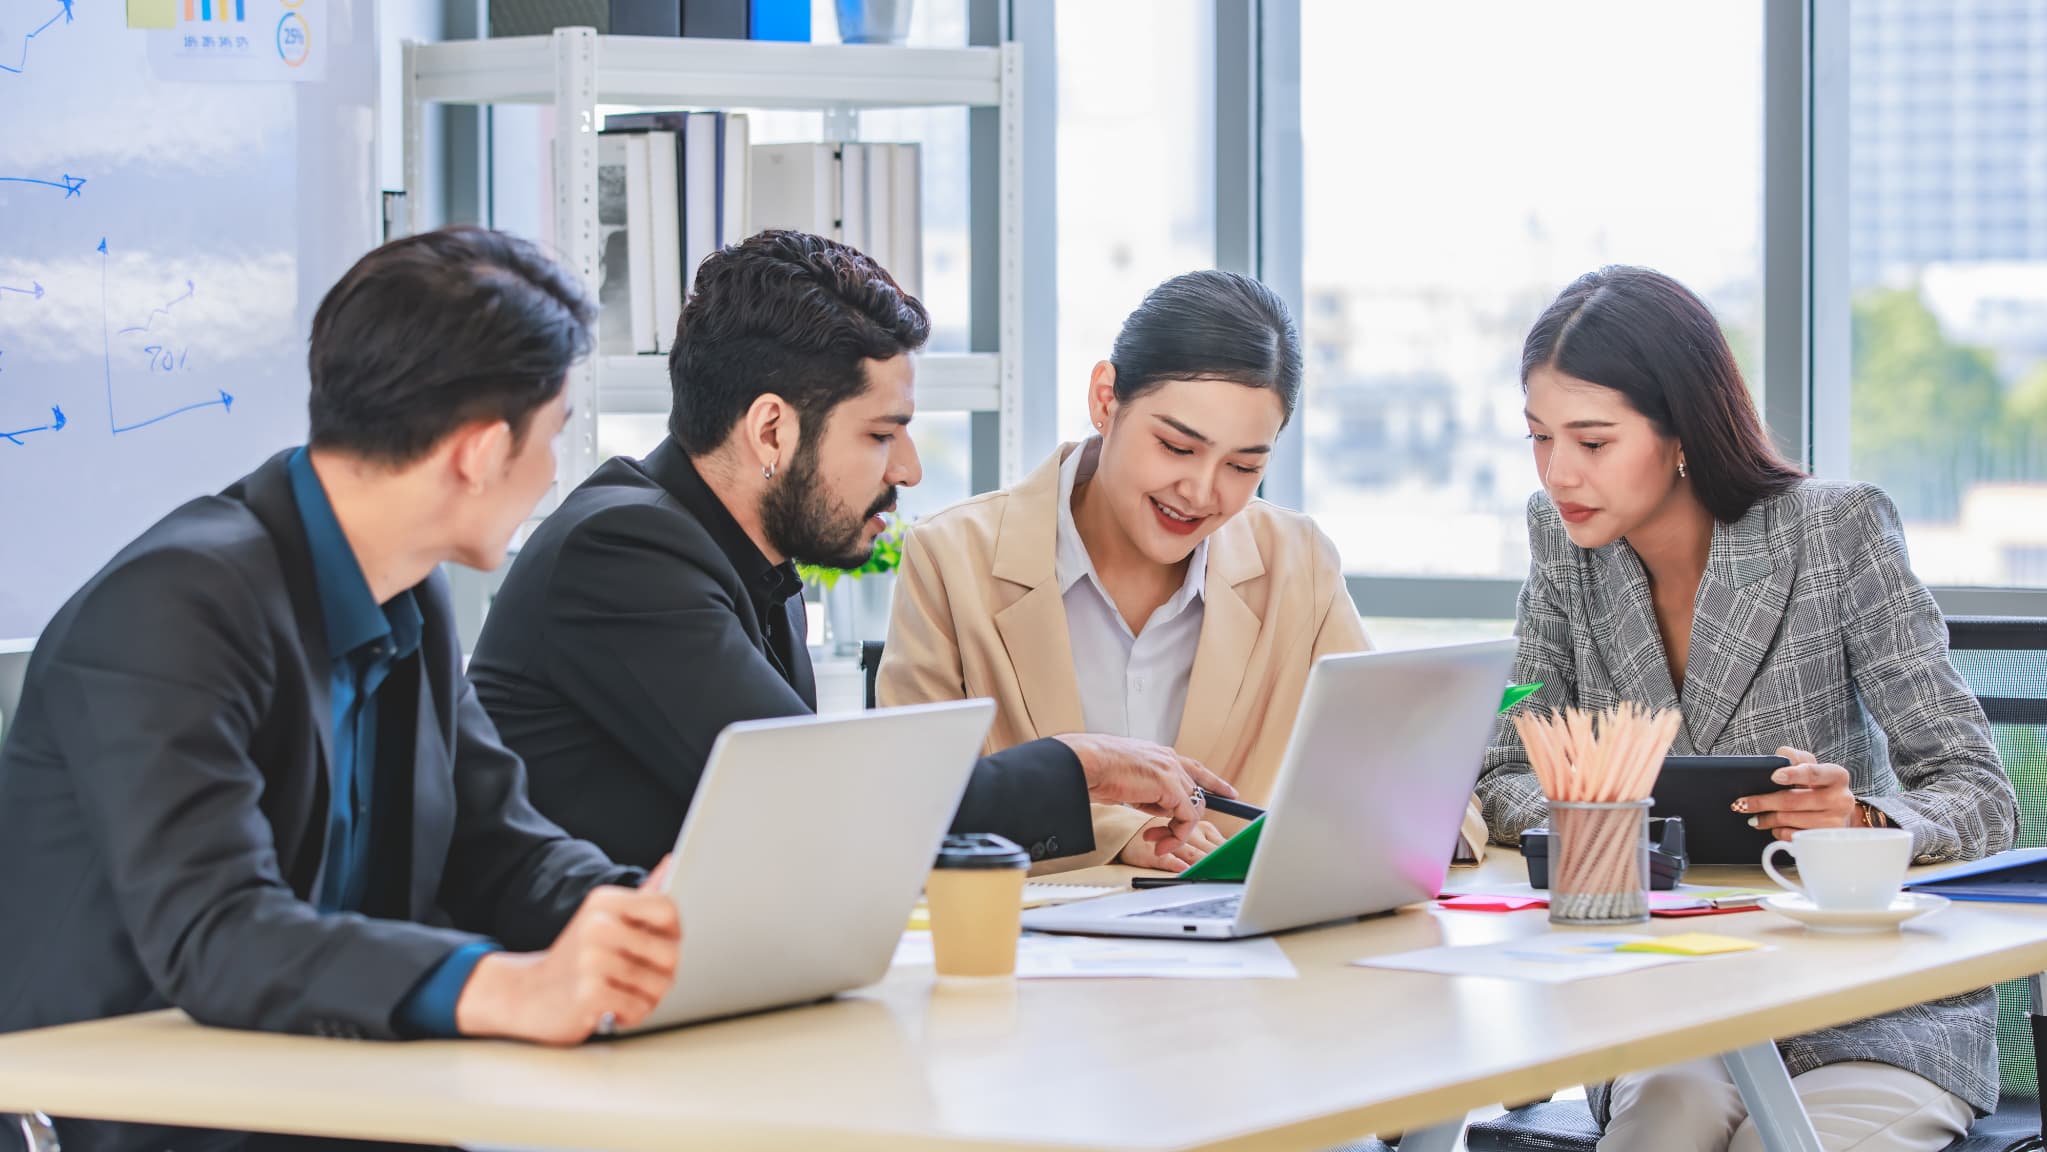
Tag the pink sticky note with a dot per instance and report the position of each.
(1480, 903)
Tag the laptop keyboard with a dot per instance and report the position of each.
(1220, 908)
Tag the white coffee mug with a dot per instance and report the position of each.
(1846, 869)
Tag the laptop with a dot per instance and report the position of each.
(1366, 810)
(805, 850)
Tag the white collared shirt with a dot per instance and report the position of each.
(1131, 685)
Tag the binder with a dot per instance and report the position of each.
(2015, 877)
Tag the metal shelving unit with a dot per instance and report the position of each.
(575, 70)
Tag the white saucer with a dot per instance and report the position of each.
(1905, 907)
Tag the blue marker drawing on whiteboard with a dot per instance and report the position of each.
(163, 311)
(56, 424)
(70, 184)
(222, 399)
(21, 63)
(34, 289)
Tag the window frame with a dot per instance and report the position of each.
(1806, 369)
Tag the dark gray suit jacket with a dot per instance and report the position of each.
(626, 637)
(163, 800)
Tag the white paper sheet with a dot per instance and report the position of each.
(1043, 956)
(1552, 958)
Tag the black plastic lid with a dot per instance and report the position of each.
(981, 850)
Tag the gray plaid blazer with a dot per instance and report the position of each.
(1810, 631)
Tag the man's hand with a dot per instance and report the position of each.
(1151, 778)
(1144, 853)
(617, 957)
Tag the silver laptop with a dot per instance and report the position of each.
(1365, 814)
(805, 849)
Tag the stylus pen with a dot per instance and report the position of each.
(1229, 807)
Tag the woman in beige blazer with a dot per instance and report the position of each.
(1133, 585)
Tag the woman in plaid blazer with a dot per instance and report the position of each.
(1677, 560)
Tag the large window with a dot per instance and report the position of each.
(1136, 147)
(1948, 279)
(1462, 163)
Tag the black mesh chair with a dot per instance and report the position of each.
(2004, 661)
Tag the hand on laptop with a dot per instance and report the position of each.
(1142, 852)
(616, 957)
(1151, 778)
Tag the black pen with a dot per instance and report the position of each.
(1227, 806)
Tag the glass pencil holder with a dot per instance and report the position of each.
(1599, 862)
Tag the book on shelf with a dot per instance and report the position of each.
(701, 191)
(868, 195)
(608, 17)
(718, 19)
(625, 276)
(735, 174)
(796, 186)
(905, 257)
(697, 168)
(780, 20)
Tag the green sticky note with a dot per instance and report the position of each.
(152, 13)
(1231, 860)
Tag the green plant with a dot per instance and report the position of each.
(888, 555)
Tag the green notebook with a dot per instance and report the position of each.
(1232, 859)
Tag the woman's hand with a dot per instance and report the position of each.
(1818, 797)
(1143, 853)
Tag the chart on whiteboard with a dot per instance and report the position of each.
(169, 215)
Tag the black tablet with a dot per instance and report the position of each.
(1702, 790)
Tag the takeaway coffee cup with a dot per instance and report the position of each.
(976, 896)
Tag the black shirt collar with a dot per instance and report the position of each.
(767, 583)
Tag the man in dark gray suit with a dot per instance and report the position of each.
(247, 778)
(659, 603)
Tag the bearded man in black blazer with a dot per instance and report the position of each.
(660, 602)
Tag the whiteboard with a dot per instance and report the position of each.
(173, 204)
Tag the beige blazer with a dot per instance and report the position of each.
(979, 612)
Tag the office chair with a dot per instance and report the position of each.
(36, 1132)
(870, 663)
(2004, 661)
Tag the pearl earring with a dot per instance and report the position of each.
(1680, 469)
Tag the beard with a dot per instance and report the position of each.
(807, 524)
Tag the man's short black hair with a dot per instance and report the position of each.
(431, 332)
(787, 313)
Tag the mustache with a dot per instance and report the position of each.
(887, 503)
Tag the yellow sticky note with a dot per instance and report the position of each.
(152, 13)
(920, 917)
(1690, 944)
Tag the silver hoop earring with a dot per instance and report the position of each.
(768, 473)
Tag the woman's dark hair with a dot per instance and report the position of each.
(433, 331)
(1647, 337)
(787, 313)
(1210, 326)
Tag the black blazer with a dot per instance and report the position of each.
(624, 640)
(163, 798)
